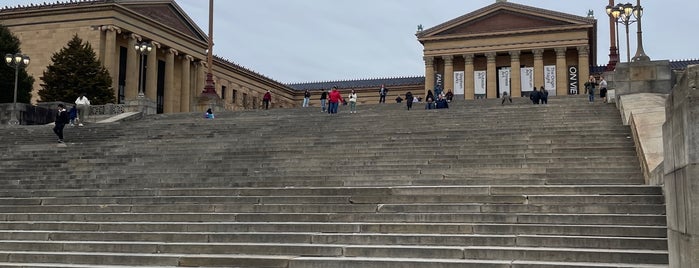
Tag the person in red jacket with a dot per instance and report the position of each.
(266, 99)
(334, 98)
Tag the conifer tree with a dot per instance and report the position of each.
(9, 44)
(75, 70)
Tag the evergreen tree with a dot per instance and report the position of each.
(74, 70)
(9, 44)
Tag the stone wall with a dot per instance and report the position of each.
(681, 168)
(642, 77)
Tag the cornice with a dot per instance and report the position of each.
(519, 8)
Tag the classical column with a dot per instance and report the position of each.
(110, 55)
(171, 104)
(133, 68)
(492, 73)
(186, 90)
(469, 86)
(538, 67)
(515, 74)
(561, 72)
(152, 73)
(429, 74)
(448, 74)
(584, 65)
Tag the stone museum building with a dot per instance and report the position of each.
(173, 71)
(503, 47)
(508, 47)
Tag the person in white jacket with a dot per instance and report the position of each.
(83, 104)
(353, 102)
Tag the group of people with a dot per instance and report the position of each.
(442, 101)
(77, 114)
(591, 85)
(540, 96)
(333, 100)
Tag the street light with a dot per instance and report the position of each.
(17, 60)
(625, 14)
(640, 54)
(143, 49)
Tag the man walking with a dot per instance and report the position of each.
(382, 94)
(61, 121)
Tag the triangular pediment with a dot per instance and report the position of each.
(505, 17)
(500, 21)
(168, 14)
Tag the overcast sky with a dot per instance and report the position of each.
(324, 40)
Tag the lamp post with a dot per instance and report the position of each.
(143, 49)
(17, 60)
(623, 13)
(627, 14)
(640, 54)
(613, 38)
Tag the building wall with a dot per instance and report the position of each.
(44, 31)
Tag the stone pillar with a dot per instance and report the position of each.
(152, 73)
(561, 72)
(448, 74)
(429, 74)
(681, 170)
(110, 55)
(171, 104)
(469, 86)
(538, 67)
(186, 90)
(492, 73)
(133, 68)
(515, 74)
(583, 67)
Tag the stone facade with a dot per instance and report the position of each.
(174, 70)
(511, 40)
(681, 168)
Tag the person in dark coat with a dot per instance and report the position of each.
(441, 103)
(409, 99)
(534, 96)
(323, 99)
(61, 121)
(544, 95)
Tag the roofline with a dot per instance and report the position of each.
(506, 5)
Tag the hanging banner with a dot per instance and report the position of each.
(573, 80)
(504, 80)
(527, 79)
(550, 78)
(458, 83)
(479, 82)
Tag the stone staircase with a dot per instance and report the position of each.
(478, 185)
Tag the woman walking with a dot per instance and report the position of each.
(353, 102)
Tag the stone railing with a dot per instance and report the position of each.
(45, 112)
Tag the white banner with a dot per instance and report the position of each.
(504, 80)
(479, 81)
(458, 83)
(550, 78)
(527, 79)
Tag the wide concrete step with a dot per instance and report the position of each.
(354, 199)
(337, 250)
(320, 262)
(341, 238)
(346, 227)
(93, 259)
(512, 218)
